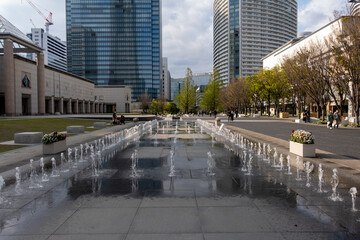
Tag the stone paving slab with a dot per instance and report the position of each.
(233, 219)
(98, 221)
(244, 236)
(166, 220)
(88, 237)
(183, 236)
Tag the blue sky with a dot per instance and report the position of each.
(187, 26)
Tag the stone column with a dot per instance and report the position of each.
(96, 107)
(9, 77)
(41, 83)
(69, 107)
(61, 107)
(76, 110)
(105, 106)
(52, 105)
(93, 109)
(88, 110)
(83, 107)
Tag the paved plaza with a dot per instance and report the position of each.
(232, 204)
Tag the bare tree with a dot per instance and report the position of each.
(145, 102)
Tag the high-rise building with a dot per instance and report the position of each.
(245, 31)
(355, 9)
(165, 79)
(116, 42)
(54, 48)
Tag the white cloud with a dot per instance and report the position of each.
(187, 35)
(318, 13)
(20, 12)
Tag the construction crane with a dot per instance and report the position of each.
(47, 19)
(32, 23)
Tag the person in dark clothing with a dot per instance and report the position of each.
(114, 120)
(215, 113)
(308, 115)
(122, 119)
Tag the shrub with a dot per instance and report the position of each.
(53, 137)
(302, 136)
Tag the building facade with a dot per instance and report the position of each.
(114, 42)
(175, 87)
(165, 79)
(54, 48)
(245, 31)
(355, 9)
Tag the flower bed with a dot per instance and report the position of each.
(53, 137)
(302, 136)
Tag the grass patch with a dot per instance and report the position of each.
(46, 125)
(5, 148)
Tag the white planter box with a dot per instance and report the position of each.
(55, 147)
(303, 150)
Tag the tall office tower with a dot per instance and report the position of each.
(355, 9)
(54, 48)
(165, 79)
(116, 42)
(245, 31)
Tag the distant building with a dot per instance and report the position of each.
(175, 87)
(165, 79)
(245, 31)
(54, 48)
(201, 80)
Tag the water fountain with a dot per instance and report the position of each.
(55, 172)
(274, 158)
(334, 183)
(44, 176)
(210, 160)
(321, 180)
(63, 168)
(76, 156)
(281, 161)
(70, 162)
(18, 189)
(353, 192)
(2, 184)
(288, 166)
(94, 172)
(172, 166)
(81, 153)
(34, 183)
(298, 165)
(249, 165)
(156, 139)
(308, 168)
(243, 169)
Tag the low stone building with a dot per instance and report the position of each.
(31, 88)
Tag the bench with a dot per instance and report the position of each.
(28, 137)
(75, 129)
(100, 125)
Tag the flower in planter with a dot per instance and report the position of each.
(53, 137)
(302, 136)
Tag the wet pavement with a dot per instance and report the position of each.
(233, 204)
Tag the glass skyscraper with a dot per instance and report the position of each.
(116, 42)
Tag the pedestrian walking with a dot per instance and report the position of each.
(337, 119)
(308, 115)
(330, 119)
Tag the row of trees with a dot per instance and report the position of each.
(318, 73)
